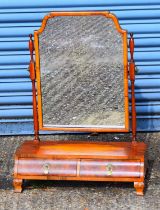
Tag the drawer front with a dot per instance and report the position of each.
(29, 166)
(110, 168)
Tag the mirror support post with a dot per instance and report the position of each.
(33, 78)
(132, 79)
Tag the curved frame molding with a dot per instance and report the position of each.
(125, 62)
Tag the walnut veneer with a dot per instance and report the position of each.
(120, 161)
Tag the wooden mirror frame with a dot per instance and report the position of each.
(39, 122)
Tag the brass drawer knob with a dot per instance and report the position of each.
(46, 167)
(109, 169)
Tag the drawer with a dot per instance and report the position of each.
(59, 167)
(110, 168)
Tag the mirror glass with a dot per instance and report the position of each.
(82, 72)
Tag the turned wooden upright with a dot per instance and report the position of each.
(34, 92)
(132, 79)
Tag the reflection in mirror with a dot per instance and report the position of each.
(82, 72)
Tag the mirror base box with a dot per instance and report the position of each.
(86, 161)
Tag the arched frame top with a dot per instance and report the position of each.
(56, 14)
(38, 77)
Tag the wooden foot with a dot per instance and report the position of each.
(17, 184)
(139, 186)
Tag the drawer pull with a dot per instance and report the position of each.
(109, 169)
(46, 168)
